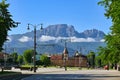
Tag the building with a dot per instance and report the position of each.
(78, 60)
(56, 59)
(3, 58)
(3, 55)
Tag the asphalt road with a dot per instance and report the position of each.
(71, 77)
(77, 75)
(61, 74)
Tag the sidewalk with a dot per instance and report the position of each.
(43, 70)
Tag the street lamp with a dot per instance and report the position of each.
(34, 55)
(16, 23)
(65, 56)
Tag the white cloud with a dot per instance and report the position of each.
(73, 39)
(25, 39)
(9, 39)
(46, 38)
(102, 40)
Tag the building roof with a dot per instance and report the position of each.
(56, 57)
(65, 51)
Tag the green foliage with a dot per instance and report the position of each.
(27, 56)
(14, 57)
(111, 53)
(1, 61)
(45, 60)
(27, 65)
(103, 55)
(98, 62)
(91, 59)
(6, 22)
(20, 59)
(10, 60)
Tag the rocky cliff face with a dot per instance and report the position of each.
(61, 30)
(64, 30)
(94, 33)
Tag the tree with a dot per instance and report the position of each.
(112, 8)
(10, 60)
(27, 56)
(91, 59)
(14, 57)
(104, 55)
(20, 59)
(6, 22)
(98, 62)
(45, 60)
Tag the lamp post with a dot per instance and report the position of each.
(65, 56)
(65, 64)
(34, 55)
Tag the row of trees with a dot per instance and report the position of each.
(27, 58)
(101, 58)
(98, 59)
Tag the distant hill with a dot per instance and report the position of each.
(53, 34)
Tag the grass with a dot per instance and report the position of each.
(6, 72)
(27, 65)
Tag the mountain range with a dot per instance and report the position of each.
(52, 38)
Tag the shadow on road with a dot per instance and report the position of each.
(69, 77)
(14, 77)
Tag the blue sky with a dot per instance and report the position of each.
(82, 14)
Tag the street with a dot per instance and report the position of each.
(75, 75)
(60, 74)
(15, 77)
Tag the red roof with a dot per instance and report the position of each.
(56, 57)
